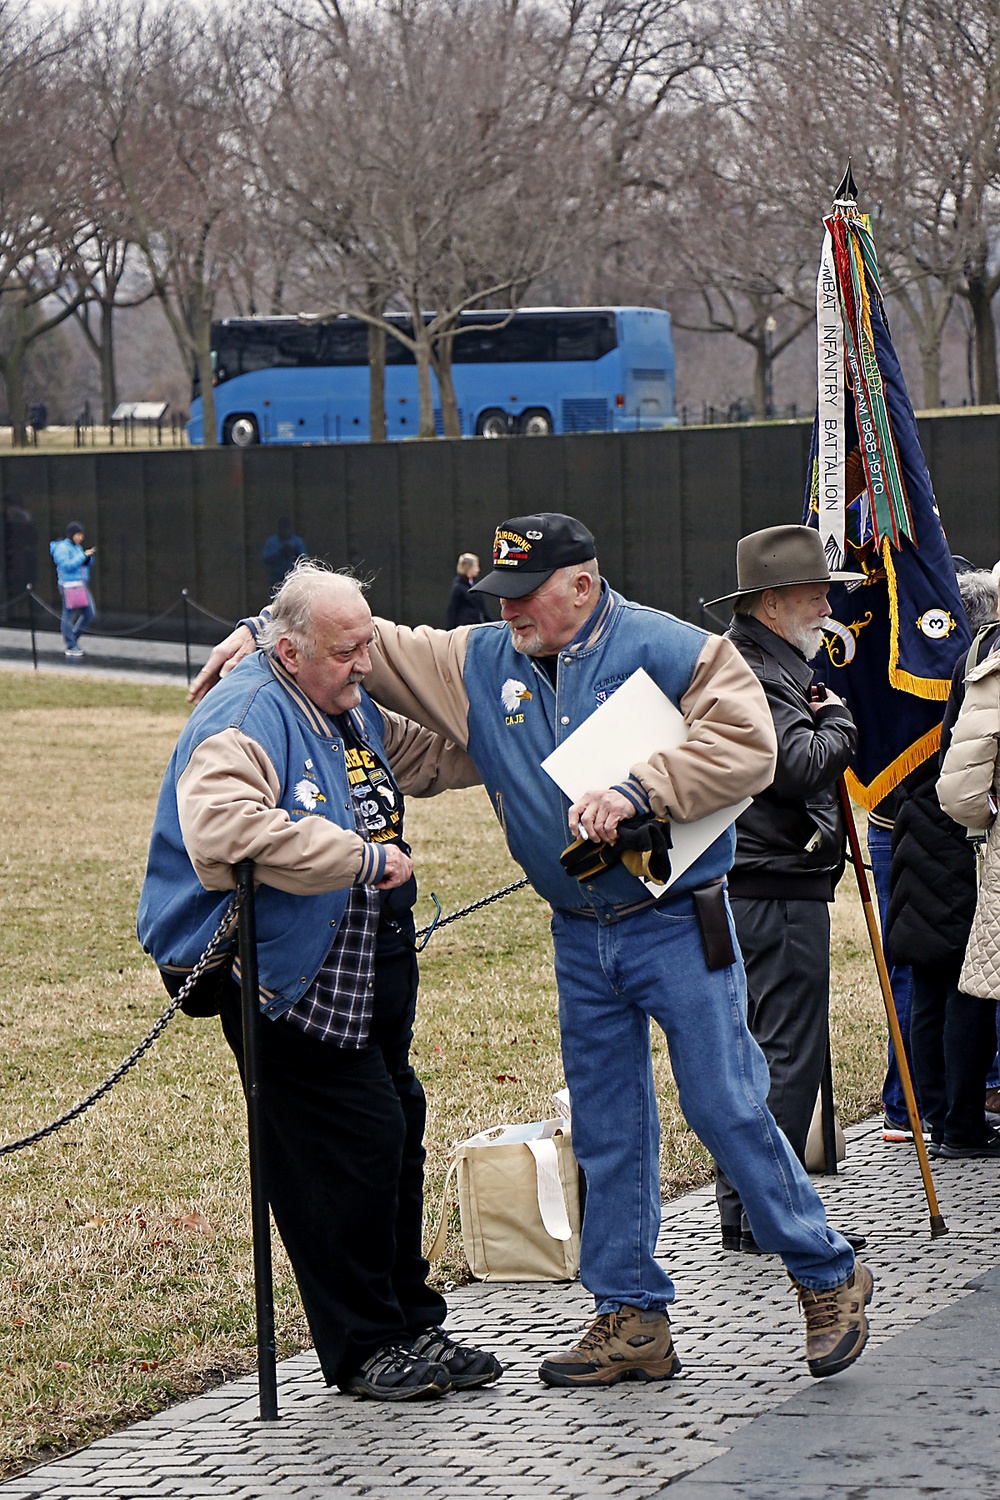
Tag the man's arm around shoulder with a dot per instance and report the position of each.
(419, 673)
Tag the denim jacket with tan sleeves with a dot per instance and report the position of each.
(260, 773)
(471, 685)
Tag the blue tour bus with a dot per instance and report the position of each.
(544, 370)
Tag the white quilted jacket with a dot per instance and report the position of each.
(968, 792)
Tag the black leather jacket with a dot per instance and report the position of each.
(790, 843)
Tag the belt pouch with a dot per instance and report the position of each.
(713, 919)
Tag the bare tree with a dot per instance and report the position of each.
(36, 226)
(161, 113)
(102, 276)
(890, 84)
(963, 93)
(441, 156)
(734, 260)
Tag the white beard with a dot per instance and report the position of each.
(806, 638)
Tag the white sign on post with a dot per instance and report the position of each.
(636, 721)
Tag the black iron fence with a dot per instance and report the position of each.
(666, 508)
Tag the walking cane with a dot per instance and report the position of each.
(938, 1226)
(267, 1375)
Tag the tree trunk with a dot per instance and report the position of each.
(422, 354)
(109, 379)
(930, 366)
(376, 384)
(450, 420)
(206, 375)
(760, 379)
(10, 370)
(981, 303)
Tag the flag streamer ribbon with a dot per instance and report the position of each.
(856, 270)
(896, 632)
(831, 485)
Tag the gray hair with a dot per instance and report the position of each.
(293, 604)
(746, 604)
(979, 596)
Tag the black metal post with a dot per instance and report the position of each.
(31, 620)
(267, 1374)
(827, 1115)
(187, 635)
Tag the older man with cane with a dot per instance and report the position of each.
(289, 764)
(624, 957)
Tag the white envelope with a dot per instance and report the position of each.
(635, 721)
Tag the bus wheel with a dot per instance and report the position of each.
(241, 432)
(493, 423)
(535, 422)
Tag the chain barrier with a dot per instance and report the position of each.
(56, 614)
(223, 930)
(439, 921)
(132, 629)
(220, 619)
(135, 629)
(25, 594)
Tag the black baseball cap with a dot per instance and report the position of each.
(529, 549)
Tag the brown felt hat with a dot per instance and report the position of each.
(778, 558)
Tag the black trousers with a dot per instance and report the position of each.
(344, 1170)
(786, 952)
(953, 1040)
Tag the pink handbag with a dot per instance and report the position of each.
(75, 595)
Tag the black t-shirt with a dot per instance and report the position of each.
(378, 812)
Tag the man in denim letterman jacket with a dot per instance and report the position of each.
(290, 764)
(510, 692)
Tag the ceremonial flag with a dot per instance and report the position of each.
(896, 636)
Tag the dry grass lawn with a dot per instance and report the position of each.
(125, 1277)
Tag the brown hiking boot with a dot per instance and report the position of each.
(836, 1326)
(627, 1345)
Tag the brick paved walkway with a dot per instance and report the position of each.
(737, 1330)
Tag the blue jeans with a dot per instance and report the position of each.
(613, 979)
(900, 976)
(74, 622)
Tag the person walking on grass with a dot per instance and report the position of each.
(624, 957)
(73, 563)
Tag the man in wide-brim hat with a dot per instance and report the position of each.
(790, 841)
(781, 557)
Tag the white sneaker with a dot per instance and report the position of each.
(74, 655)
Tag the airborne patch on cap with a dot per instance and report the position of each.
(510, 549)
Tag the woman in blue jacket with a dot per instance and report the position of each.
(73, 563)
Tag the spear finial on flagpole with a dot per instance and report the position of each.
(848, 190)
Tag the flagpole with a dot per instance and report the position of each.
(938, 1225)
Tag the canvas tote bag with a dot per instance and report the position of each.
(519, 1202)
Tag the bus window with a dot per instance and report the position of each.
(297, 346)
(585, 338)
(343, 342)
